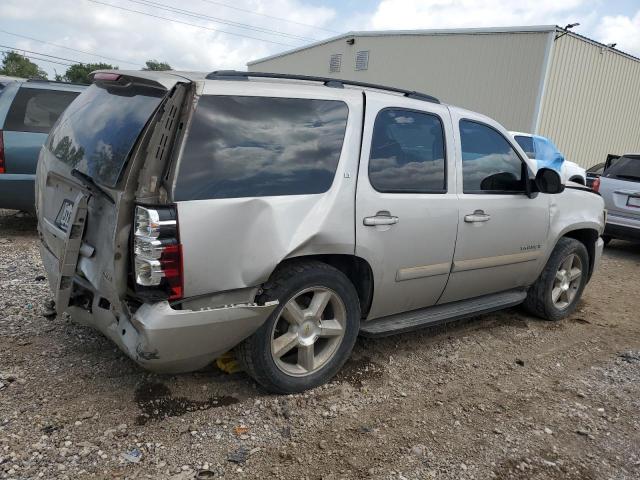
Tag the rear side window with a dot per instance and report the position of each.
(489, 162)
(36, 110)
(626, 167)
(260, 146)
(407, 152)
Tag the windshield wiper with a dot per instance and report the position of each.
(90, 183)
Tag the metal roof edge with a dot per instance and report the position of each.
(601, 45)
(439, 31)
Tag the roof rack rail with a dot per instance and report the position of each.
(45, 80)
(328, 82)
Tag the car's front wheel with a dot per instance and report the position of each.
(557, 291)
(310, 335)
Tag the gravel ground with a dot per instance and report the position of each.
(500, 396)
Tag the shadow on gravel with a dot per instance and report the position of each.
(17, 224)
(622, 250)
(156, 403)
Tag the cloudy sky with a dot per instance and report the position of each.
(220, 34)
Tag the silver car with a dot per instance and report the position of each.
(619, 186)
(184, 215)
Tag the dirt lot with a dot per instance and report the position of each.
(500, 396)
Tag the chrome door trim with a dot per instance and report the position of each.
(497, 261)
(412, 273)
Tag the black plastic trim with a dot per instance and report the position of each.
(328, 82)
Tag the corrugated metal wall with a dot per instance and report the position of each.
(591, 104)
(498, 74)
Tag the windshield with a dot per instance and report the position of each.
(96, 133)
(626, 167)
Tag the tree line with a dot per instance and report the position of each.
(16, 65)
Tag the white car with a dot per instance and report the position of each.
(542, 149)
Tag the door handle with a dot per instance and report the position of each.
(477, 216)
(380, 218)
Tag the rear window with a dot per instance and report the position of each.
(97, 132)
(36, 109)
(626, 167)
(261, 146)
(597, 169)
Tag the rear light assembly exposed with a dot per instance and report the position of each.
(3, 168)
(595, 186)
(157, 252)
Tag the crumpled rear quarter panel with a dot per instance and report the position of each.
(236, 243)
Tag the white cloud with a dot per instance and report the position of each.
(135, 38)
(471, 13)
(594, 23)
(623, 30)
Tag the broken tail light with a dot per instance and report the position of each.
(157, 251)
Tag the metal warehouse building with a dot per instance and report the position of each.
(582, 94)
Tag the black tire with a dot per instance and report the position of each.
(254, 354)
(539, 301)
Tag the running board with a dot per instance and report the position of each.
(426, 317)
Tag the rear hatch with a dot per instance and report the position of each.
(620, 187)
(86, 186)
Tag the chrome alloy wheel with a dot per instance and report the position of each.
(567, 282)
(308, 331)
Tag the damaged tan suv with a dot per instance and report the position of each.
(185, 215)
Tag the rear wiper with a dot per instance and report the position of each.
(90, 183)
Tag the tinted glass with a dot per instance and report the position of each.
(596, 169)
(36, 110)
(526, 143)
(261, 146)
(626, 167)
(98, 130)
(489, 163)
(407, 152)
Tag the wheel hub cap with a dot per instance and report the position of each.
(308, 331)
(567, 282)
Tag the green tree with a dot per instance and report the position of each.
(79, 72)
(156, 65)
(16, 65)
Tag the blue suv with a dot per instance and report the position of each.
(28, 110)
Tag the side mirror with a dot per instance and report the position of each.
(548, 181)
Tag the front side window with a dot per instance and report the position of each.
(36, 109)
(407, 152)
(260, 146)
(489, 162)
(526, 143)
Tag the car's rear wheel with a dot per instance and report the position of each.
(310, 335)
(557, 291)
